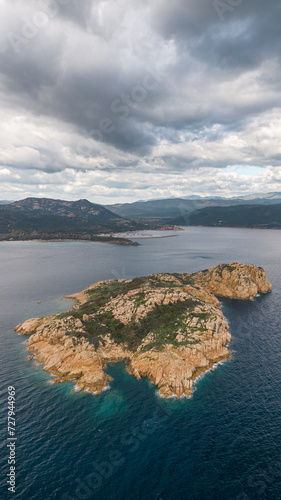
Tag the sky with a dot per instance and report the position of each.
(124, 100)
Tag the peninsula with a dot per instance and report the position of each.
(46, 219)
(167, 327)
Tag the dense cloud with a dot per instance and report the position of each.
(137, 99)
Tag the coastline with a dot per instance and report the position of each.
(193, 338)
(153, 237)
(234, 227)
(110, 240)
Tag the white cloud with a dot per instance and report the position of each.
(101, 187)
(212, 100)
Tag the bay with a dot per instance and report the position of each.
(127, 443)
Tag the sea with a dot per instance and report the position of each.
(128, 443)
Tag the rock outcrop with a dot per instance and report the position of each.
(168, 327)
(236, 280)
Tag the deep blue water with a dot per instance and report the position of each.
(128, 444)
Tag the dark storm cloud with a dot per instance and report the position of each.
(172, 85)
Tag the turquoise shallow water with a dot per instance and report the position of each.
(127, 443)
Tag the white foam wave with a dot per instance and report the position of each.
(106, 388)
(173, 396)
(202, 375)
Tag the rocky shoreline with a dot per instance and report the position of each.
(167, 327)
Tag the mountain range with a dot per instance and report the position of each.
(177, 207)
(50, 219)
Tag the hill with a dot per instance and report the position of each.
(258, 216)
(167, 208)
(45, 218)
(177, 207)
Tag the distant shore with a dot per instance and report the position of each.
(112, 240)
(139, 234)
(153, 237)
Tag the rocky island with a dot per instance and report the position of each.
(167, 327)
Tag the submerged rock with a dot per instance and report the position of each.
(169, 327)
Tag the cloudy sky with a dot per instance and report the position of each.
(121, 100)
